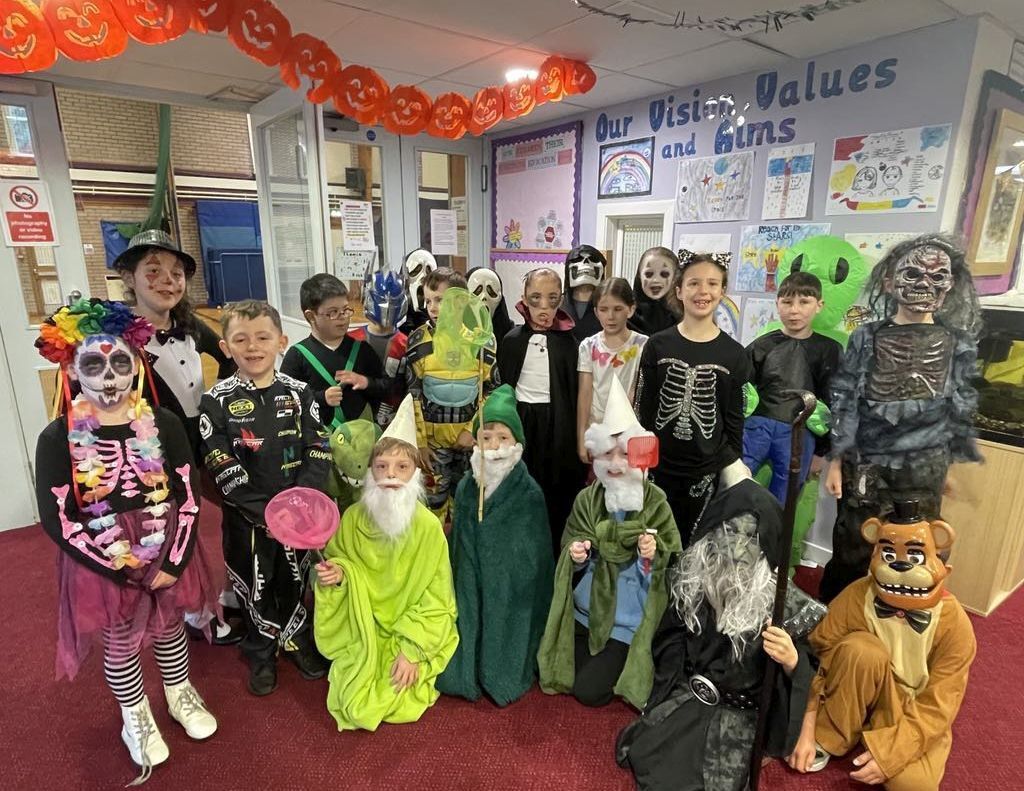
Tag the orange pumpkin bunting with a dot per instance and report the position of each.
(488, 108)
(449, 116)
(26, 43)
(407, 110)
(154, 21)
(260, 30)
(210, 15)
(308, 56)
(85, 29)
(519, 99)
(360, 94)
(580, 78)
(550, 83)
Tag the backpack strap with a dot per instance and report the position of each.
(339, 416)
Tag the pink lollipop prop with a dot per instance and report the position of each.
(302, 518)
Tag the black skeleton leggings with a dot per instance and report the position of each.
(122, 661)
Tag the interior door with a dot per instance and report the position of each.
(37, 281)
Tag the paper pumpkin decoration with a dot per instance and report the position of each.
(360, 94)
(449, 116)
(310, 57)
(211, 15)
(260, 30)
(550, 83)
(26, 43)
(519, 99)
(154, 21)
(486, 110)
(580, 78)
(85, 29)
(407, 110)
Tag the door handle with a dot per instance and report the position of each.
(74, 296)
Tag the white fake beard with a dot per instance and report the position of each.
(498, 463)
(391, 509)
(621, 492)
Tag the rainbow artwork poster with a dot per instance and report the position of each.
(626, 169)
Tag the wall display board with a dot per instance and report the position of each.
(512, 268)
(714, 189)
(627, 169)
(787, 186)
(761, 249)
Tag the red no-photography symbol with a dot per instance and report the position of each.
(23, 197)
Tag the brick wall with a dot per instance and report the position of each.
(210, 141)
(108, 130)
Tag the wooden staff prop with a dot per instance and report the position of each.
(480, 435)
(781, 564)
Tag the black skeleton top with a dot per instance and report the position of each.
(904, 388)
(691, 395)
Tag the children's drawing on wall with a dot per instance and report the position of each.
(727, 316)
(761, 248)
(714, 189)
(513, 238)
(550, 232)
(872, 246)
(715, 243)
(888, 172)
(787, 185)
(757, 314)
(626, 169)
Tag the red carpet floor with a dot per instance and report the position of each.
(66, 735)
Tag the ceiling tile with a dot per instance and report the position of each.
(1009, 12)
(720, 60)
(437, 87)
(491, 69)
(211, 54)
(613, 88)
(319, 18)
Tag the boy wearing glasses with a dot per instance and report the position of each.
(344, 374)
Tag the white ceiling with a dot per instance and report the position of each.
(462, 45)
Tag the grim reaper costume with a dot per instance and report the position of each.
(584, 268)
(697, 730)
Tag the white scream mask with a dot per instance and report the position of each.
(104, 367)
(418, 264)
(485, 284)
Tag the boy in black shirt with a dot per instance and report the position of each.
(792, 357)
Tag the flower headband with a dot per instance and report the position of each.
(61, 334)
(686, 258)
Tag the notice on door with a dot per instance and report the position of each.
(357, 225)
(27, 214)
(444, 238)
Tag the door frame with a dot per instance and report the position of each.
(610, 213)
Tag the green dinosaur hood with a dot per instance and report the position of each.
(351, 446)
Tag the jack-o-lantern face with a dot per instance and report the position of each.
(360, 94)
(259, 30)
(488, 108)
(210, 15)
(310, 57)
(26, 43)
(407, 111)
(154, 21)
(85, 29)
(449, 116)
(519, 99)
(579, 78)
(550, 83)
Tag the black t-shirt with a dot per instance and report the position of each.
(691, 395)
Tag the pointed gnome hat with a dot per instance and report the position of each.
(403, 424)
(618, 425)
(500, 407)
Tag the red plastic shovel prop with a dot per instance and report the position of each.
(642, 454)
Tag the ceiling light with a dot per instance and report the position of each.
(1019, 143)
(515, 75)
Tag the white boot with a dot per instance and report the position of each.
(142, 738)
(185, 705)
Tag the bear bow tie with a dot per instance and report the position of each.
(917, 619)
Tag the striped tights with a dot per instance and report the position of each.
(122, 661)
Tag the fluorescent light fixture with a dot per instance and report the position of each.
(1019, 143)
(515, 75)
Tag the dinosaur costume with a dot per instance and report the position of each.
(351, 446)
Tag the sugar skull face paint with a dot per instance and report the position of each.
(922, 279)
(104, 367)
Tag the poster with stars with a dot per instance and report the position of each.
(787, 185)
(714, 189)
(761, 249)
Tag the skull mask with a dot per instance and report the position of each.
(384, 299)
(486, 285)
(104, 367)
(585, 266)
(418, 264)
(922, 278)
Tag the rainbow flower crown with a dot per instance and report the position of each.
(61, 334)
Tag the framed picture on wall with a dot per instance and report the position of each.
(626, 170)
(995, 233)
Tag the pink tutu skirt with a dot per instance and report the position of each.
(89, 602)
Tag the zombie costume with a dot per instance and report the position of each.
(485, 284)
(691, 396)
(584, 266)
(697, 729)
(258, 442)
(396, 596)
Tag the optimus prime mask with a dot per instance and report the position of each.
(584, 266)
(384, 298)
(418, 264)
(104, 367)
(922, 278)
(486, 286)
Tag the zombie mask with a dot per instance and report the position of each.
(922, 278)
(384, 298)
(105, 367)
(584, 266)
(907, 571)
(418, 264)
(486, 286)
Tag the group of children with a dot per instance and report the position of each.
(561, 405)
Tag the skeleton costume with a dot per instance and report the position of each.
(584, 266)
(902, 399)
(417, 265)
(485, 284)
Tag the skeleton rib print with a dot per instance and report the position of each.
(688, 398)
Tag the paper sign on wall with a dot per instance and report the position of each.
(761, 249)
(357, 225)
(702, 242)
(352, 264)
(757, 313)
(787, 184)
(27, 213)
(714, 189)
(444, 232)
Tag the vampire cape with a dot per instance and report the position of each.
(503, 571)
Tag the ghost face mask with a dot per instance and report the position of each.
(922, 278)
(486, 285)
(418, 264)
(584, 266)
(104, 367)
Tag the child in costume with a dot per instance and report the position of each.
(417, 265)
(538, 359)
(385, 608)
(610, 585)
(894, 653)
(793, 357)
(485, 285)
(351, 445)
(584, 270)
(262, 434)
(445, 391)
(902, 399)
(690, 393)
(501, 564)
(118, 492)
(613, 353)
(652, 287)
(344, 375)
